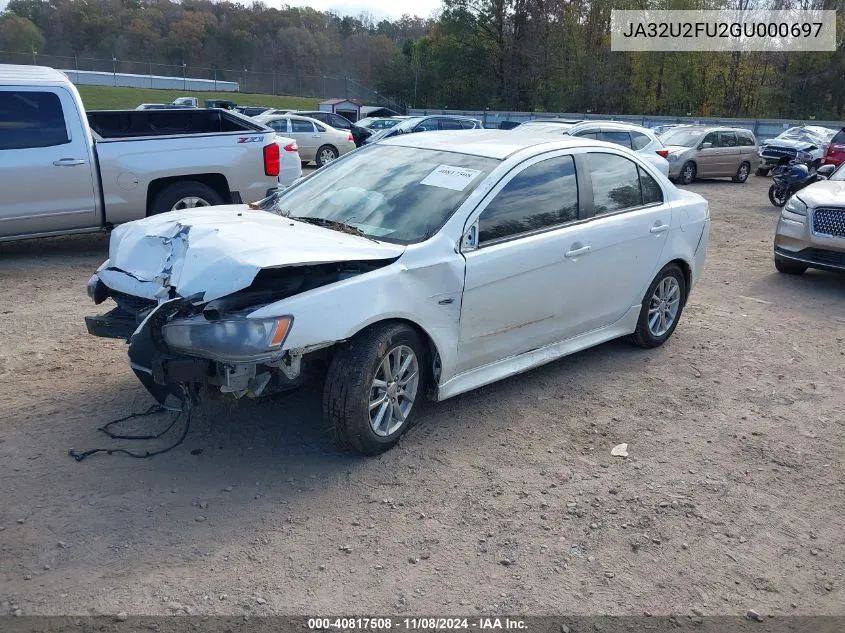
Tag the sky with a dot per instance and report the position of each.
(380, 9)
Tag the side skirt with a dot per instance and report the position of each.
(514, 365)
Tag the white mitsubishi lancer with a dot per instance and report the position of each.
(425, 265)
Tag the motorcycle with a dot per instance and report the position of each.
(787, 178)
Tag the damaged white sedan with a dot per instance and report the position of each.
(428, 264)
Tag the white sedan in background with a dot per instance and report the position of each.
(637, 138)
(427, 264)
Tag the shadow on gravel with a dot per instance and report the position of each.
(813, 292)
(88, 245)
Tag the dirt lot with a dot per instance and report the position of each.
(503, 500)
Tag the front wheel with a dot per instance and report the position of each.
(742, 173)
(661, 308)
(687, 174)
(325, 155)
(373, 387)
(778, 195)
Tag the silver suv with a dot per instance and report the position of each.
(710, 152)
(811, 229)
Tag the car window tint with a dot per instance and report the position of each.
(745, 139)
(467, 125)
(542, 195)
(320, 128)
(617, 138)
(339, 122)
(639, 140)
(297, 125)
(280, 125)
(651, 191)
(31, 119)
(592, 135)
(426, 126)
(727, 139)
(839, 138)
(449, 124)
(712, 138)
(616, 182)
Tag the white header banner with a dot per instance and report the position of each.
(773, 31)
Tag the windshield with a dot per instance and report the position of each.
(685, 138)
(839, 174)
(390, 193)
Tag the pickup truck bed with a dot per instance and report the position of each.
(117, 124)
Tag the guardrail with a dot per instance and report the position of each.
(762, 128)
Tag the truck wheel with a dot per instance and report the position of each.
(373, 388)
(185, 195)
(325, 155)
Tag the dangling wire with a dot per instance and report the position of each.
(186, 408)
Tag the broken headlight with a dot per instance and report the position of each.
(234, 338)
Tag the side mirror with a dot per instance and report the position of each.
(705, 146)
(826, 171)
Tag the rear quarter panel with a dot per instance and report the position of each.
(128, 167)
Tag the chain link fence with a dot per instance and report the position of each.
(299, 85)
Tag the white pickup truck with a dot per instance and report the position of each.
(62, 171)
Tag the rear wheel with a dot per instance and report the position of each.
(661, 307)
(185, 195)
(742, 172)
(373, 387)
(325, 155)
(789, 267)
(687, 174)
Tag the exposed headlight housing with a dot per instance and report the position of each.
(235, 338)
(795, 205)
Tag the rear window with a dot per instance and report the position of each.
(31, 119)
(639, 140)
(839, 139)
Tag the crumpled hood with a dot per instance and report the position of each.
(793, 143)
(825, 193)
(215, 251)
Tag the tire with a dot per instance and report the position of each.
(789, 267)
(762, 171)
(654, 336)
(350, 390)
(185, 195)
(323, 154)
(776, 198)
(687, 173)
(742, 172)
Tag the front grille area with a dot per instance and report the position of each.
(826, 257)
(131, 304)
(773, 151)
(827, 221)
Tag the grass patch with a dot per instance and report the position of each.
(117, 98)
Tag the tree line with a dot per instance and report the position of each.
(518, 55)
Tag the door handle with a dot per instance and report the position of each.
(68, 162)
(659, 228)
(315, 136)
(581, 250)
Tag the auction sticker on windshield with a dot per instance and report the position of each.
(450, 177)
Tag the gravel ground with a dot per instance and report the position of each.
(505, 500)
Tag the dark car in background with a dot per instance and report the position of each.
(252, 111)
(359, 134)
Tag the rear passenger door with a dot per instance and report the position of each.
(625, 235)
(46, 175)
(306, 136)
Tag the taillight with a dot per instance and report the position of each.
(351, 138)
(292, 147)
(663, 152)
(272, 159)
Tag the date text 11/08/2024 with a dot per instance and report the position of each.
(416, 624)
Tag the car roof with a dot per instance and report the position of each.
(714, 128)
(14, 75)
(610, 125)
(498, 144)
